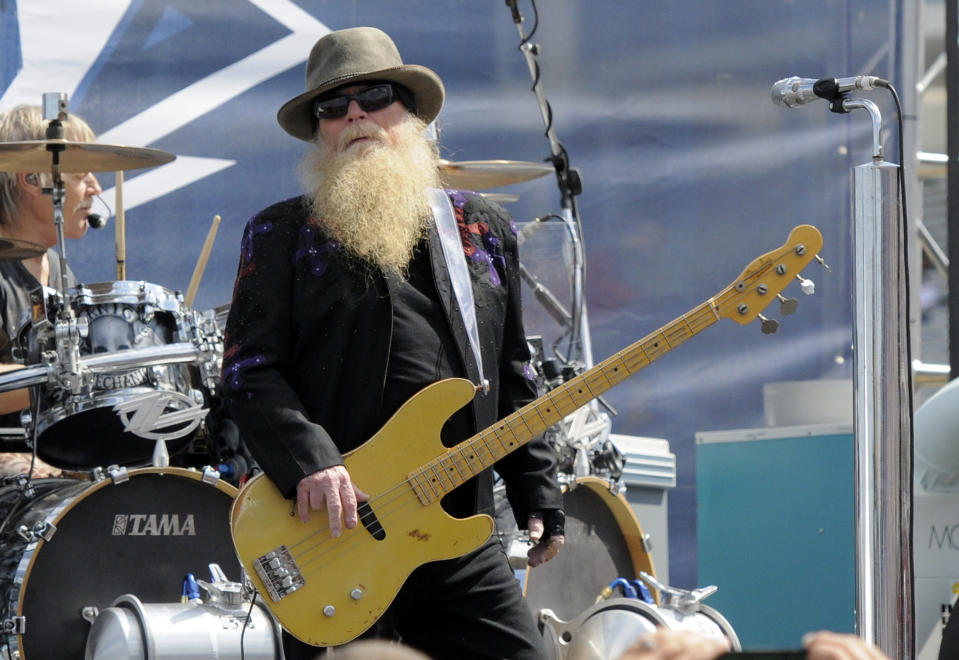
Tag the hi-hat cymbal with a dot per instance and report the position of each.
(36, 156)
(16, 249)
(484, 174)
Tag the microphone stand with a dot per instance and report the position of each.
(882, 404)
(570, 185)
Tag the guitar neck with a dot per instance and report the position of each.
(481, 451)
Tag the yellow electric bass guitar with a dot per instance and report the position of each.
(328, 591)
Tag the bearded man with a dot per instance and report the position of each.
(351, 299)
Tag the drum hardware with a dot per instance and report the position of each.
(501, 198)
(607, 628)
(162, 519)
(484, 174)
(611, 624)
(216, 625)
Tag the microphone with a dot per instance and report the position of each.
(517, 18)
(96, 221)
(794, 91)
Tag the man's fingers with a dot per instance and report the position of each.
(535, 526)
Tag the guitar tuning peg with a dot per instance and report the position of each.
(768, 326)
(807, 286)
(823, 263)
(787, 305)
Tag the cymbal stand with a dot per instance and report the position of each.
(66, 332)
(570, 185)
(584, 431)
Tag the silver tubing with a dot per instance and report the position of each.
(36, 375)
(181, 352)
(882, 413)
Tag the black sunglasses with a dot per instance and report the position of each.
(370, 99)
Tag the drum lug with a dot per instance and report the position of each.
(16, 625)
(647, 541)
(210, 475)
(41, 529)
(118, 474)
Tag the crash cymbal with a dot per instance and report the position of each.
(15, 249)
(483, 174)
(35, 156)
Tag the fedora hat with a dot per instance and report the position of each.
(351, 57)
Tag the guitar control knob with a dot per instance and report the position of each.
(329, 610)
(356, 594)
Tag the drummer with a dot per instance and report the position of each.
(26, 214)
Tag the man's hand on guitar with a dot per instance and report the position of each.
(333, 490)
(547, 529)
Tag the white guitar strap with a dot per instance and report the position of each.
(459, 276)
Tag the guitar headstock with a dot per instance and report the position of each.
(766, 277)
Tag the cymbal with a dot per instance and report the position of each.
(16, 249)
(34, 156)
(483, 174)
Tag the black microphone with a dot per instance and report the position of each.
(515, 11)
(96, 221)
(795, 91)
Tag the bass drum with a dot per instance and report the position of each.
(79, 545)
(604, 541)
(119, 416)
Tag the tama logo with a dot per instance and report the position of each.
(152, 524)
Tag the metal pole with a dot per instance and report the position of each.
(952, 175)
(883, 417)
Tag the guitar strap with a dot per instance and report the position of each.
(459, 275)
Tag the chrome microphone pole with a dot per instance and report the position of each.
(881, 379)
(882, 412)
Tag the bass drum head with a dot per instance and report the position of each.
(604, 541)
(140, 537)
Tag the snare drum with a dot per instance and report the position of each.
(79, 544)
(119, 415)
(604, 541)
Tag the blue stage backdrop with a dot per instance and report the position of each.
(689, 171)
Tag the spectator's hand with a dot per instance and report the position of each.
(666, 644)
(333, 490)
(840, 646)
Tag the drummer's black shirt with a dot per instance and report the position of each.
(16, 283)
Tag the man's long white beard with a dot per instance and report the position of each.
(373, 196)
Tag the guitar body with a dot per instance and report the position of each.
(356, 563)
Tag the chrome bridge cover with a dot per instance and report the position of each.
(279, 572)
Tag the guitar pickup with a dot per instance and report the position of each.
(279, 573)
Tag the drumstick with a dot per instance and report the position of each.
(121, 230)
(201, 262)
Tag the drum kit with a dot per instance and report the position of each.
(99, 563)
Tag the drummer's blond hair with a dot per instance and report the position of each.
(23, 123)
